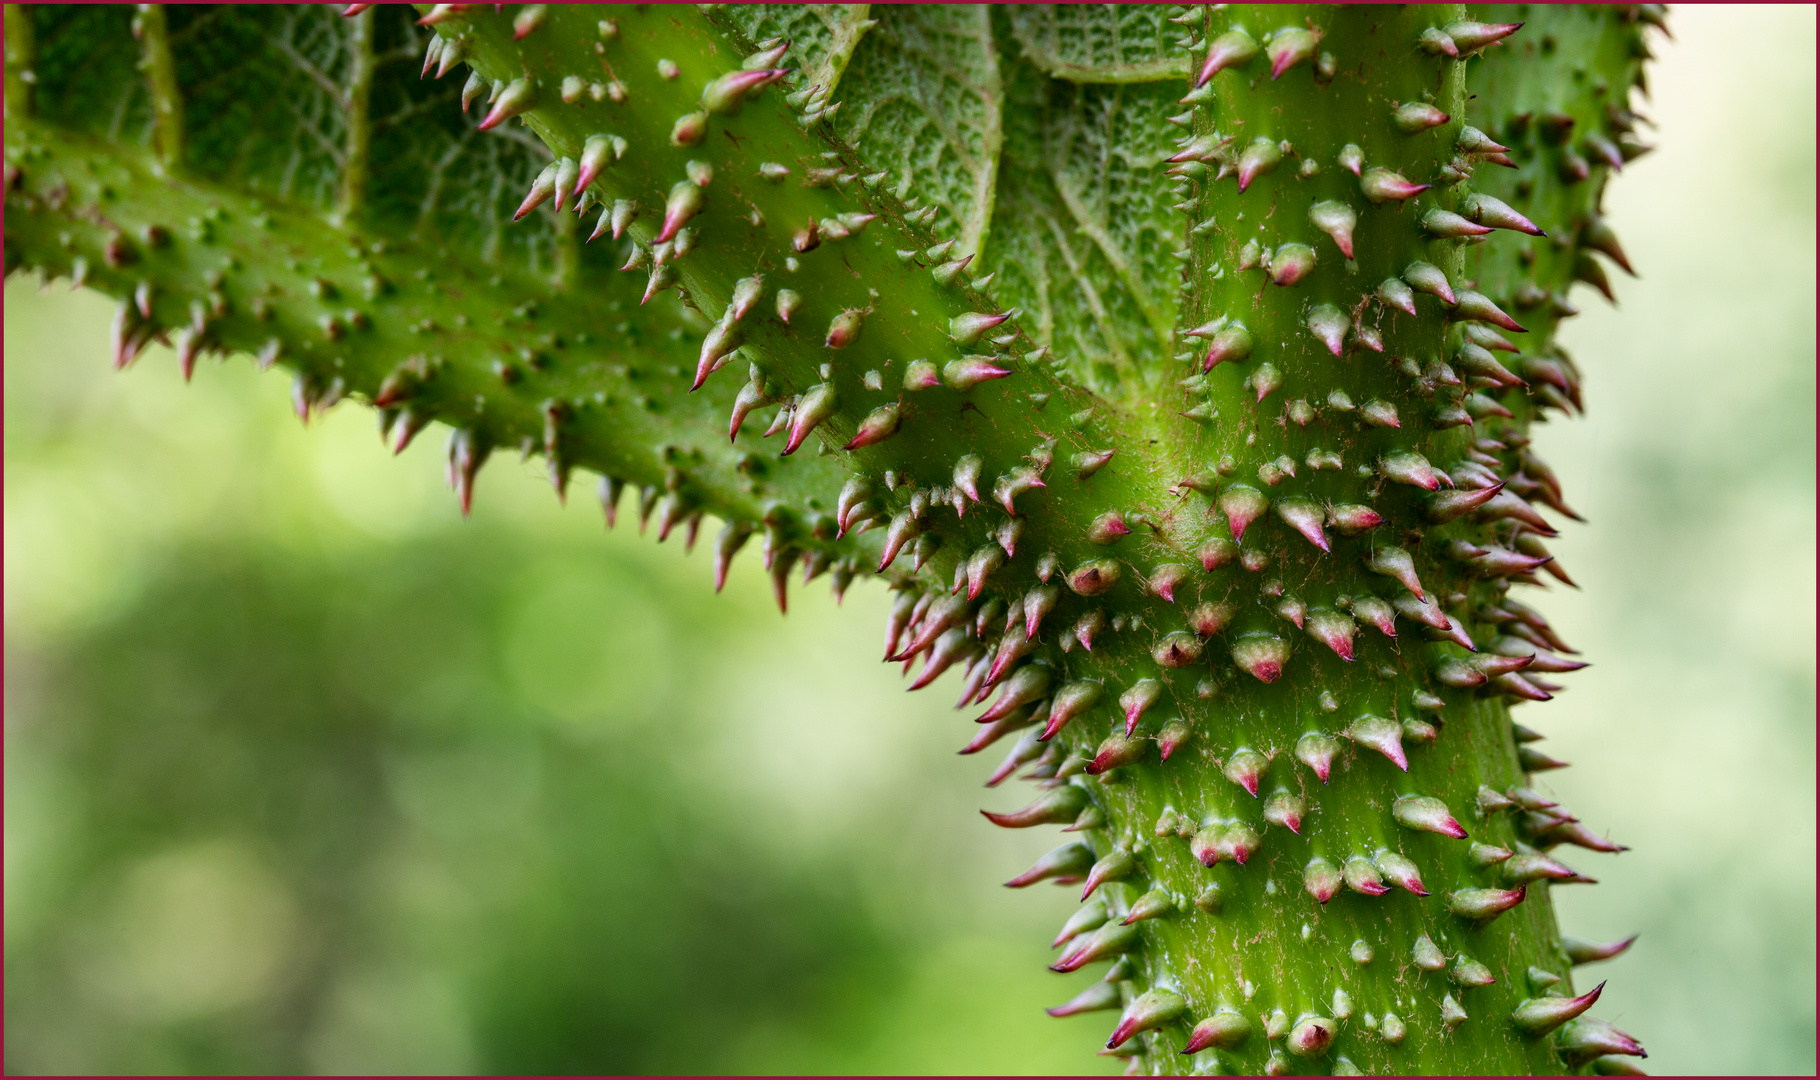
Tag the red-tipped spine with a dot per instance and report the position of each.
(1149, 1011)
(1053, 807)
(1536, 1017)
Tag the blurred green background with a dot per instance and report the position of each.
(305, 774)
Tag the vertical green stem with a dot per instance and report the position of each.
(850, 26)
(20, 52)
(566, 258)
(161, 81)
(978, 224)
(360, 125)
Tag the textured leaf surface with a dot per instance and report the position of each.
(924, 99)
(267, 111)
(1101, 43)
(1085, 231)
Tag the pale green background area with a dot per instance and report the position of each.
(1692, 736)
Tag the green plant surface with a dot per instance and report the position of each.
(1041, 440)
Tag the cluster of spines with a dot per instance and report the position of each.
(789, 537)
(986, 350)
(860, 506)
(950, 632)
(1494, 491)
(340, 311)
(799, 414)
(1104, 927)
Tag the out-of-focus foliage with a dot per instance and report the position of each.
(304, 774)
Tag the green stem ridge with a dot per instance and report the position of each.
(154, 36)
(1232, 576)
(1138, 46)
(19, 59)
(356, 99)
